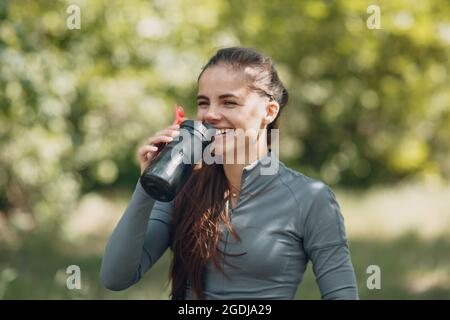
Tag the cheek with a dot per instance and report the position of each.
(253, 118)
(200, 115)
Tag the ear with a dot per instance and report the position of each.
(272, 110)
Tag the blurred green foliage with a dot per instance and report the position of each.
(411, 269)
(367, 106)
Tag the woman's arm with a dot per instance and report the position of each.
(326, 244)
(137, 242)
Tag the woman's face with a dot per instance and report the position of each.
(226, 102)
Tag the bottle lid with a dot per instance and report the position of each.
(205, 130)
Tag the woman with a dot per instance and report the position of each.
(234, 232)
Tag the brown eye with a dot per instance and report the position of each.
(229, 103)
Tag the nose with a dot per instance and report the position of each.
(212, 116)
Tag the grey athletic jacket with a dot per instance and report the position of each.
(284, 219)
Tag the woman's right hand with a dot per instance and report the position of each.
(149, 151)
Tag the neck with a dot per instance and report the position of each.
(233, 172)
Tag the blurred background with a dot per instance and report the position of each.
(369, 114)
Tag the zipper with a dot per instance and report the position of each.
(226, 245)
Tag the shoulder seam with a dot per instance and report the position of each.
(296, 201)
(337, 211)
(330, 244)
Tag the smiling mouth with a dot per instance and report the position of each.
(223, 131)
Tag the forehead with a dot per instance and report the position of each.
(220, 79)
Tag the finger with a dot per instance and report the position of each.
(172, 133)
(168, 132)
(150, 155)
(158, 139)
(174, 127)
(145, 149)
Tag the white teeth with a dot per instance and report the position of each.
(223, 130)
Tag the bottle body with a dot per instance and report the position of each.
(172, 167)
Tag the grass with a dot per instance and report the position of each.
(414, 264)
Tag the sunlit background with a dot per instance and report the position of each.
(369, 114)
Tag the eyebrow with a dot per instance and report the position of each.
(222, 96)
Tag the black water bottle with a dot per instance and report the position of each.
(172, 167)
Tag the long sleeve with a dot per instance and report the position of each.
(140, 238)
(326, 245)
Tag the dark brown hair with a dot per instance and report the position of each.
(199, 209)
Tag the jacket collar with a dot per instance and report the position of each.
(260, 172)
